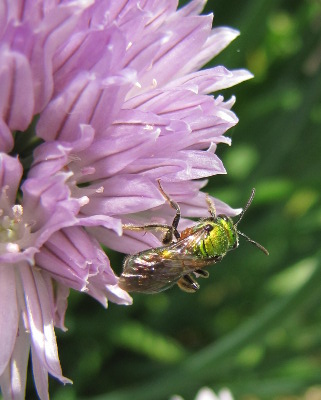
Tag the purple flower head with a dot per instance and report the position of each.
(136, 111)
(98, 100)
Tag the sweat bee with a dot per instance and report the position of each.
(184, 253)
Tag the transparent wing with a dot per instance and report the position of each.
(149, 272)
(187, 250)
(187, 245)
(155, 270)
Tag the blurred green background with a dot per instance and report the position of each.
(255, 325)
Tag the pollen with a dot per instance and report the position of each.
(12, 228)
(166, 254)
(12, 248)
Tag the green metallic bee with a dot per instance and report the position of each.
(183, 254)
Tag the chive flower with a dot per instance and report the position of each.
(98, 100)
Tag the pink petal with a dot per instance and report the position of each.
(215, 43)
(114, 294)
(16, 88)
(154, 15)
(192, 201)
(107, 49)
(184, 165)
(13, 380)
(183, 38)
(101, 220)
(52, 32)
(131, 242)
(40, 375)
(123, 194)
(213, 79)
(55, 210)
(110, 156)
(62, 293)
(8, 314)
(191, 8)
(87, 100)
(52, 157)
(65, 271)
(40, 321)
(58, 295)
(6, 138)
(10, 175)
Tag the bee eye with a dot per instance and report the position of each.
(208, 228)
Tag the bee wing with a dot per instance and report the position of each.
(186, 245)
(185, 249)
(155, 270)
(149, 272)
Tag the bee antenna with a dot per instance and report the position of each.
(258, 245)
(246, 207)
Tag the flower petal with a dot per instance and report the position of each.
(6, 138)
(8, 314)
(16, 88)
(192, 8)
(184, 165)
(40, 375)
(52, 157)
(216, 42)
(10, 175)
(62, 293)
(101, 220)
(212, 80)
(88, 99)
(52, 32)
(183, 38)
(122, 194)
(58, 295)
(131, 242)
(40, 321)
(114, 293)
(13, 379)
(55, 210)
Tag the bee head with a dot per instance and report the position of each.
(231, 227)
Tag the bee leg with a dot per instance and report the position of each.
(188, 284)
(171, 230)
(148, 227)
(176, 207)
(202, 273)
(168, 236)
(211, 206)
